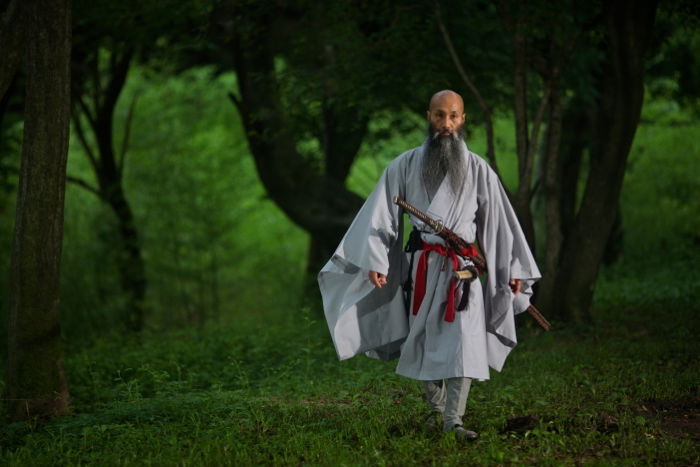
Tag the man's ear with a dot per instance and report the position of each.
(427, 115)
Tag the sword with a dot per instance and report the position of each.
(456, 242)
(452, 240)
(534, 312)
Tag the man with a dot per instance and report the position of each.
(453, 332)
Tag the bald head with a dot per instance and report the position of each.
(447, 98)
(446, 112)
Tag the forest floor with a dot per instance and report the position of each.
(621, 392)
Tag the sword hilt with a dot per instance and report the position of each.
(437, 226)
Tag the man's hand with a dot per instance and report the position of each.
(514, 286)
(377, 278)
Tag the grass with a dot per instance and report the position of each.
(622, 393)
(264, 387)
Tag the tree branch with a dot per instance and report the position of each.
(104, 100)
(96, 81)
(551, 80)
(520, 52)
(127, 133)
(536, 123)
(522, 137)
(236, 101)
(118, 70)
(82, 183)
(83, 141)
(87, 112)
(241, 66)
(490, 147)
(535, 188)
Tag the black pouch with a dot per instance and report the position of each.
(414, 243)
(465, 288)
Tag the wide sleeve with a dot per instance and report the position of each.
(508, 256)
(360, 317)
(367, 242)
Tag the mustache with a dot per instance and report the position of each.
(455, 135)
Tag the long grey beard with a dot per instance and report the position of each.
(443, 157)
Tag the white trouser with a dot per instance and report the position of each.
(448, 397)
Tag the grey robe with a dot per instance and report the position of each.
(365, 319)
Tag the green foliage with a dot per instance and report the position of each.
(273, 392)
(659, 198)
(230, 371)
(674, 62)
(204, 223)
(150, 25)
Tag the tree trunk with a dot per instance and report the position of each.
(108, 169)
(526, 132)
(552, 193)
(12, 26)
(131, 267)
(344, 131)
(36, 385)
(321, 248)
(315, 200)
(628, 28)
(521, 196)
(614, 246)
(575, 139)
(130, 260)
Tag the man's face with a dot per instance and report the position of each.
(445, 121)
(446, 114)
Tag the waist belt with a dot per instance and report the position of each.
(414, 244)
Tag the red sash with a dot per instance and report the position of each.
(422, 272)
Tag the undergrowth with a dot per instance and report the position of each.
(275, 394)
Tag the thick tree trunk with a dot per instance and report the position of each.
(36, 385)
(613, 247)
(575, 141)
(315, 200)
(628, 28)
(344, 131)
(553, 223)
